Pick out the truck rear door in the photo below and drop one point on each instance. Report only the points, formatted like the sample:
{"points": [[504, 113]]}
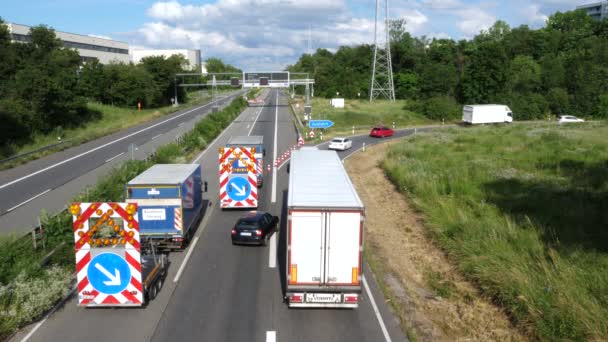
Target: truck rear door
{"points": [[159, 209], [343, 256], [307, 248]]}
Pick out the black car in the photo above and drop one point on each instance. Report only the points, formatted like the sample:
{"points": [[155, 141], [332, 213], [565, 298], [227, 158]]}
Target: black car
{"points": [[255, 227]]}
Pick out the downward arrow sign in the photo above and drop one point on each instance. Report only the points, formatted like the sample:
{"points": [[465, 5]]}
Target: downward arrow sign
{"points": [[240, 191], [114, 279]]}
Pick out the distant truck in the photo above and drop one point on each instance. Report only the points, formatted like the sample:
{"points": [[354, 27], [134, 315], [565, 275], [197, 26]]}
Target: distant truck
{"points": [[486, 114], [257, 142], [170, 202], [324, 232]]}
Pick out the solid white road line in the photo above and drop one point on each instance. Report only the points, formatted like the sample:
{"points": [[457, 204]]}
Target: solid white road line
{"points": [[183, 265], [272, 251], [37, 326], [102, 146], [254, 121], [271, 336], [116, 156], [29, 200], [156, 136], [387, 337], [274, 152]]}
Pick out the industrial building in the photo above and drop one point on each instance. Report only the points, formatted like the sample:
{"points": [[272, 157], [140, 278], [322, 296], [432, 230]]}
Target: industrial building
{"points": [[89, 48], [192, 56], [598, 10]]}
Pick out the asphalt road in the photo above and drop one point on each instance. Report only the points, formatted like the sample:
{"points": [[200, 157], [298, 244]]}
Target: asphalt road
{"points": [[50, 182], [225, 292]]}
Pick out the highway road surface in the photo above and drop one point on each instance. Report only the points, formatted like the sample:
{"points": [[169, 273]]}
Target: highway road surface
{"points": [[50, 182], [219, 292]]}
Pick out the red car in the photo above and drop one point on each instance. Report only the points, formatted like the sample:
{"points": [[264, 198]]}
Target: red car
{"points": [[381, 132]]}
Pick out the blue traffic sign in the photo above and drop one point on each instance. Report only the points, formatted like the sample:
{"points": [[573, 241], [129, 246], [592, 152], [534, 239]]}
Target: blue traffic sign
{"points": [[320, 123], [109, 273], [238, 188]]}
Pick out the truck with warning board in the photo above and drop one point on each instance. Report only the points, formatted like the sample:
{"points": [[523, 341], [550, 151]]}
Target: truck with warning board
{"points": [[324, 232], [238, 177], [114, 266], [170, 202], [253, 141]]}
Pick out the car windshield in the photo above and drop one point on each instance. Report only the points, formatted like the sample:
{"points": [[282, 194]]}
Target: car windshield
{"points": [[246, 224], [337, 140]]}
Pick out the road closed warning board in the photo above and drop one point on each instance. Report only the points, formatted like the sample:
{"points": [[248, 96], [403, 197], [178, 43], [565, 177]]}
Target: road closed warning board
{"points": [[238, 177], [108, 254]]}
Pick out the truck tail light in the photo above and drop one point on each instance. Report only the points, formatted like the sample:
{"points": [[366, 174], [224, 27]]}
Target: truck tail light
{"points": [[355, 275], [296, 298], [233, 232], [258, 232], [293, 274], [351, 298]]}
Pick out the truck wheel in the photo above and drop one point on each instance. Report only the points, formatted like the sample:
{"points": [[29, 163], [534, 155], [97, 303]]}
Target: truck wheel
{"points": [[153, 292], [159, 284]]}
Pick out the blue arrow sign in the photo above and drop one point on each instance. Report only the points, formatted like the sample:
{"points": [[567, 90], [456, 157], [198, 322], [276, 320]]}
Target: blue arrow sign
{"points": [[109, 273], [238, 188], [320, 123]]}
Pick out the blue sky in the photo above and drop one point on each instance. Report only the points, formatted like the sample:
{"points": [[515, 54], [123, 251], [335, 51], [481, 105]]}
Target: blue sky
{"points": [[269, 34]]}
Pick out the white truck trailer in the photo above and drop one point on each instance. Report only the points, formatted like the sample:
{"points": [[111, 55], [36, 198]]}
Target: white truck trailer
{"points": [[486, 114], [324, 232]]}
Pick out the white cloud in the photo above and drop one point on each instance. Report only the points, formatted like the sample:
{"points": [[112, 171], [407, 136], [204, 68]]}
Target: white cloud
{"points": [[414, 19], [473, 20], [441, 4], [531, 14]]}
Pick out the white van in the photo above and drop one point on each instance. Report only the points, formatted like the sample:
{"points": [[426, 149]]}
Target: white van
{"points": [[485, 114]]}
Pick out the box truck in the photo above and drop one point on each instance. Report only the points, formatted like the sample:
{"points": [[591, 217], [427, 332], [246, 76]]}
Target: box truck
{"points": [[169, 201], [324, 232], [486, 114]]}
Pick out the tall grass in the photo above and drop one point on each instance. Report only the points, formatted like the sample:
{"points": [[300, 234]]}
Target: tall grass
{"points": [[523, 212]]}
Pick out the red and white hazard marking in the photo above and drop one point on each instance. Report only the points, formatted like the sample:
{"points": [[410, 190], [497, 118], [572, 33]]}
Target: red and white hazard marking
{"points": [[177, 220], [87, 245], [244, 159]]}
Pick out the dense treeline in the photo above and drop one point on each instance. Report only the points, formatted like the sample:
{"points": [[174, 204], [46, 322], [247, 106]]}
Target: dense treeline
{"points": [[45, 87], [561, 68]]}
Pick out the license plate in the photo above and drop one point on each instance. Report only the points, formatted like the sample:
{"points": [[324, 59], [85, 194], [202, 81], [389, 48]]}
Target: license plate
{"points": [[245, 234], [322, 298]]}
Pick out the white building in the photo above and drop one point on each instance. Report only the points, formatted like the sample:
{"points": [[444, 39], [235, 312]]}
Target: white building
{"points": [[597, 11], [192, 56], [89, 48]]}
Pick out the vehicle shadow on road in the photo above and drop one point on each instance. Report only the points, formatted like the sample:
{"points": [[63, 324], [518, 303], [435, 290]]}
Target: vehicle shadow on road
{"points": [[282, 245]]}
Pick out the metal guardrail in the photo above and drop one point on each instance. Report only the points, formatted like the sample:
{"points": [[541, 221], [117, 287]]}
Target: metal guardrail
{"points": [[34, 151]]}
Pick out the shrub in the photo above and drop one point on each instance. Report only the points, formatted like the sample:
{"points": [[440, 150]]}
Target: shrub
{"points": [[441, 107]]}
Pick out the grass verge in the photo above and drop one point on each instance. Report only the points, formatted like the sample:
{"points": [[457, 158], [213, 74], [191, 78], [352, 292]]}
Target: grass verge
{"points": [[361, 114], [113, 119], [522, 211], [29, 287]]}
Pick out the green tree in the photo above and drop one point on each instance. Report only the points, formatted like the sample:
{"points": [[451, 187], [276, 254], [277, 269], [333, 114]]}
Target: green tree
{"points": [[524, 75], [559, 101], [485, 76], [163, 72]]}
